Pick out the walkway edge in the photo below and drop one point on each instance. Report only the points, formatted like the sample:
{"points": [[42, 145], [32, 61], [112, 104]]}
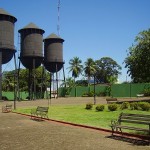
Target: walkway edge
{"points": [[91, 127]]}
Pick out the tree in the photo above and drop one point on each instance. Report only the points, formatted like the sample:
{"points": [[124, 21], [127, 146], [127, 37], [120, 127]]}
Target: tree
{"points": [[138, 60], [68, 85], [90, 68], [23, 79], [75, 67], [106, 70], [8, 80]]}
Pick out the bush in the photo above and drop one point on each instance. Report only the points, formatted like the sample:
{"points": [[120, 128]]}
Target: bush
{"points": [[101, 94], [145, 106], [91, 93], [89, 106], [85, 94], [146, 92], [124, 105], [134, 106], [112, 107], [100, 107]]}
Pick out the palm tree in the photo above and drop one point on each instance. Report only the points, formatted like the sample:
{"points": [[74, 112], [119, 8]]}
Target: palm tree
{"points": [[68, 83], [90, 68], [75, 67]]}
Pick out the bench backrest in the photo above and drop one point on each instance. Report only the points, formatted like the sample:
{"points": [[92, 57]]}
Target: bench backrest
{"points": [[42, 109], [8, 105], [134, 118], [111, 99]]}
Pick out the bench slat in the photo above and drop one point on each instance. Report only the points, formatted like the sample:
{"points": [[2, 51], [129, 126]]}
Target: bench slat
{"points": [[135, 121], [144, 118], [131, 119], [40, 112], [111, 100], [7, 108], [132, 128], [135, 115]]}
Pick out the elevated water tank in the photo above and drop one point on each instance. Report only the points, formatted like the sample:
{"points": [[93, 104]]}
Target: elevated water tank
{"points": [[53, 53], [7, 47], [31, 46]]}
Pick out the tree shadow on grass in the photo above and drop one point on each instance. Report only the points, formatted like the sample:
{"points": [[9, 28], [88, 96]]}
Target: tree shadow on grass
{"points": [[134, 141]]}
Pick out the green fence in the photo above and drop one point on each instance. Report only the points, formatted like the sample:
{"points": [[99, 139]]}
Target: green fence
{"points": [[128, 90], [115, 90], [10, 95], [22, 95], [80, 91]]}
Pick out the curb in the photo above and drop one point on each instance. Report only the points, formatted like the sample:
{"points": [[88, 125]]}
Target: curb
{"points": [[91, 127]]}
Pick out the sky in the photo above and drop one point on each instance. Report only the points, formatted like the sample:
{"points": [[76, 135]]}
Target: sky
{"points": [[90, 28]]}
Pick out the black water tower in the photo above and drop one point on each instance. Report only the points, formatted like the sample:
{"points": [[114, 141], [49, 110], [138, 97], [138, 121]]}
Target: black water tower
{"points": [[7, 48], [53, 57], [31, 46], [31, 53], [53, 53]]}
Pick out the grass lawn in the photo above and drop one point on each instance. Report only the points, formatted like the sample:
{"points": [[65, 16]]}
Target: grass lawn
{"points": [[78, 114]]}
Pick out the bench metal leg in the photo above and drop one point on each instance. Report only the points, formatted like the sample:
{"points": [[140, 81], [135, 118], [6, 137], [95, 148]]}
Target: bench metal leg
{"points": [[113, 128]]}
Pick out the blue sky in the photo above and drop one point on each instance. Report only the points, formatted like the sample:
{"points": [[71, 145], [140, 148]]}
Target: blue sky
{"points": [[90, 28]]}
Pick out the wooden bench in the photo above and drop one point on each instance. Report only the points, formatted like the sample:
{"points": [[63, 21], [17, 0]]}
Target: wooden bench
{"points": [[39, 112], [111, 100], [7, 108], [128, 121]]}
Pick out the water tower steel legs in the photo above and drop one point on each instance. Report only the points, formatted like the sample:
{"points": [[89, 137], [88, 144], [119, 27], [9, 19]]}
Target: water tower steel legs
{"points": [[30, 84], [0, 75], [18, 80], [15, 82], [34, 84], [57, 80], [50, 85], [64, 75]]}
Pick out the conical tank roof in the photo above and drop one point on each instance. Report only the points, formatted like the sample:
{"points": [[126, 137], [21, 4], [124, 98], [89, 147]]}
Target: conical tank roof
{"points": [[31, 26], [54, 36], [4, 12]]}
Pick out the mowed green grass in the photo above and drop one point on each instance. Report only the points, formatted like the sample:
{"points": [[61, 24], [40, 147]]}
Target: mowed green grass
{"points": [[79, 115]]}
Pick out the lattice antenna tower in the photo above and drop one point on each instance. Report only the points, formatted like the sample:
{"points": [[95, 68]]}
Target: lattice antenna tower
{"points": [[58, 19]]}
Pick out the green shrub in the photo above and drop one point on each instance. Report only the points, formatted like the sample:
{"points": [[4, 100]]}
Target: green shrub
{"points": [[91, 93], [124, 105], [85, 94], [146, 92], [89, 106], [112, 107], [134, 106], [100, 107], [145, 106], [101, 94]]}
